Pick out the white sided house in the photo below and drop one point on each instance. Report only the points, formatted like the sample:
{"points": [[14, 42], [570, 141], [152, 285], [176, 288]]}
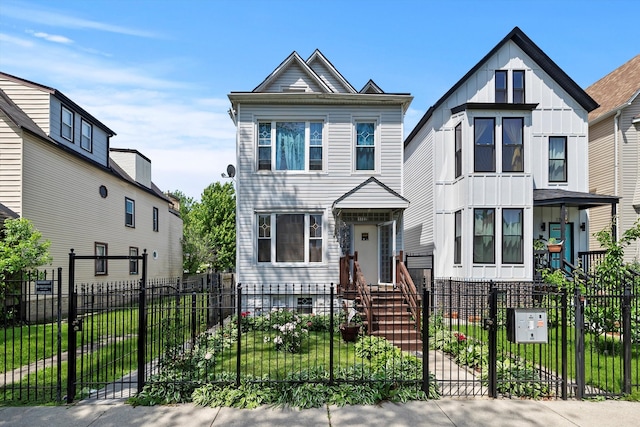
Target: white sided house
{"points": [[500, 161], [319, 178], [58, 171]]}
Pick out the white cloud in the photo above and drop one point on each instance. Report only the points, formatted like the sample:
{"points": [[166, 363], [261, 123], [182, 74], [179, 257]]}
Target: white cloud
{"points": [[17, 41], [44, 17], [52, 38]]}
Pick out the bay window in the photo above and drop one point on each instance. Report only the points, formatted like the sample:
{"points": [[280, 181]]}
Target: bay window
{"points": [[557, 159], [512, 237], [485, 149], [457, 246], [512, 145], [458, 148]]}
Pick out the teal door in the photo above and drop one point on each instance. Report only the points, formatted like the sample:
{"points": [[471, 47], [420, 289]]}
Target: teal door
{"points": [[554, 231]]}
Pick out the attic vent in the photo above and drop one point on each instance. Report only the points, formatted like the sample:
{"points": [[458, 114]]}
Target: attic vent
{"points": [[293, 89]]}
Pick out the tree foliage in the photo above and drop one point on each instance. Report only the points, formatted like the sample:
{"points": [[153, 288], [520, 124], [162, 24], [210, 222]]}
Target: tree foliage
{"points": [[21, 248], [209, 229]]}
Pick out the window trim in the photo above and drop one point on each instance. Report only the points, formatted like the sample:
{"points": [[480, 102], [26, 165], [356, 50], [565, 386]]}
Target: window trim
{"points": [[273, 236], [89, 126], [375, 146], [272, 141], [156, 219], [133, 212], [475, 144], [565, 159], [493, 241], [523, 89], [521, 210], [134, 262], [62, 123], [104, 261], [521, 144], [504, 91], [457, 131], [457, 237]]}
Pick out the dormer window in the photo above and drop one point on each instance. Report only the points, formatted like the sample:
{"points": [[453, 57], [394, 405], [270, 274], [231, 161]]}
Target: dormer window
{"points": [[501, 86], [66, 125], [86, 140]]}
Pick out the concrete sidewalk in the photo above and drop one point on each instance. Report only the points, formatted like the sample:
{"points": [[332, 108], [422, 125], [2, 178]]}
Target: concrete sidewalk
{"points": [[444, 412]]}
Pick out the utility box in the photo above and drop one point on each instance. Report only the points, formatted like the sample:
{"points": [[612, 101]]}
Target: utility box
{"points": [[527, 325]]}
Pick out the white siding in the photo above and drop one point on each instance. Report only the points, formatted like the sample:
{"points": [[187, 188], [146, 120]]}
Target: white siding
{"points": [[294, 77]]}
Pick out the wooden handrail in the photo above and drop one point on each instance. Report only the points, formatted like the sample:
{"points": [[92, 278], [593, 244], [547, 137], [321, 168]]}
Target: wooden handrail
{"points": [[404, 282], [364, 294]]}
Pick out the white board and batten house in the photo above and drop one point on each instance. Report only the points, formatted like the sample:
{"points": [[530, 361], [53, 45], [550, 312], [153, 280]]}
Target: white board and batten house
{"points": [[59, 171], [498, 161], [319, 176]]}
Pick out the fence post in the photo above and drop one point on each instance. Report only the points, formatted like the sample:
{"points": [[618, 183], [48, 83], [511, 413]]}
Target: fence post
{"points": [[239, 326], [71, 333], [193, 319], [492, 325], [331, 335], [626, 338], [579, 345], [142, 323], [425, 340], [563, 327], [59, 349]]}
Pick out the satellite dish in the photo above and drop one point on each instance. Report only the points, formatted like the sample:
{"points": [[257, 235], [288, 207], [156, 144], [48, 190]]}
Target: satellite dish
{"points": [[231, 171]]}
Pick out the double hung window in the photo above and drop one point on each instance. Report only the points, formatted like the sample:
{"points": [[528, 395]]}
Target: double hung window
{"points": [[66, 125], [457, 247], [133, 262], [365, 146], [512, 144], [501, 85], [484, 236], [485, 148], [129, 212], [101, 263], [458, 148], [290, 238], [290, 146], [512, 237], [518, 86], [557, 159], [86, 140], [156, 219]]}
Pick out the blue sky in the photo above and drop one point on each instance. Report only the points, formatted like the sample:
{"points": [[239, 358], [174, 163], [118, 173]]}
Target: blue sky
{"points": [[158, 72]]}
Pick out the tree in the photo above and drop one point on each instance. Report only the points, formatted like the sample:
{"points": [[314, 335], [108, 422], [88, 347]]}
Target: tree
{"points": [[215, 216], [21, 249], [209, 238]]}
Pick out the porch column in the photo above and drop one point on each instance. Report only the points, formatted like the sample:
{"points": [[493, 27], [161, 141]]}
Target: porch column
{"points": [[563, 237]]}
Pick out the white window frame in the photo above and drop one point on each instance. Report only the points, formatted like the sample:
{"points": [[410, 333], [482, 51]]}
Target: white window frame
{"points": [[134, 263], [307, 238], [376, 145], [133, 212], [64, 125], [307, 144], [86, 126], [102, 262]]}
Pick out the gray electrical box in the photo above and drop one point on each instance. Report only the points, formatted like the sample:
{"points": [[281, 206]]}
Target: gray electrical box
{"points": [[527, 325]]}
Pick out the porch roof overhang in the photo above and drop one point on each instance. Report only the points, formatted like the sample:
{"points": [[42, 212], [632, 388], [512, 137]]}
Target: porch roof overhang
{"points": [[557, 197], [371, 194]]}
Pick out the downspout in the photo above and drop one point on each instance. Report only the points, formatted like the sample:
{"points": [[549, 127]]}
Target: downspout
{"points": [[616, 167]]}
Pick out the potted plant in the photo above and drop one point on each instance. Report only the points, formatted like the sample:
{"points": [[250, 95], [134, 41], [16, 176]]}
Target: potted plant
{"points": [[554, 245], [351, 323]]}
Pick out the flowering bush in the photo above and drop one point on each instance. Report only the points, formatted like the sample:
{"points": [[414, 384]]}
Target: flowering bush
{"points": [[291, 331]]}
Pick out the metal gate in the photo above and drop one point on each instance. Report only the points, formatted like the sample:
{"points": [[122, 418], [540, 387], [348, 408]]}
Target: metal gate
{"points": [[107, 327], [471, 353]]}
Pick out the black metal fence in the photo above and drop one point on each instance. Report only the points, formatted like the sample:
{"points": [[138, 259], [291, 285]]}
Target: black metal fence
{"points": [[186, 333]]}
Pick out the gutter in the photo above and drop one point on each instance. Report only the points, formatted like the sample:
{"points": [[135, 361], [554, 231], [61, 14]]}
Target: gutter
{"points": [[616, 166]]}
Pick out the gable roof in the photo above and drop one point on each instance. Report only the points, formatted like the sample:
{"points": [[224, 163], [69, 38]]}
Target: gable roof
{"points": [[534, 52], [371, 194], [292, 60], [63, 98], [318, 57], [371, 87], [617, 89]]}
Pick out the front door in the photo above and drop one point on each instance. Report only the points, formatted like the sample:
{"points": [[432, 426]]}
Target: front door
{"points": [[365, 238], [554, 231]]}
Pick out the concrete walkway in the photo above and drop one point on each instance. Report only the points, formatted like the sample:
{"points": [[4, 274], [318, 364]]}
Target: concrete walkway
{"points": [[445, 412]]}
